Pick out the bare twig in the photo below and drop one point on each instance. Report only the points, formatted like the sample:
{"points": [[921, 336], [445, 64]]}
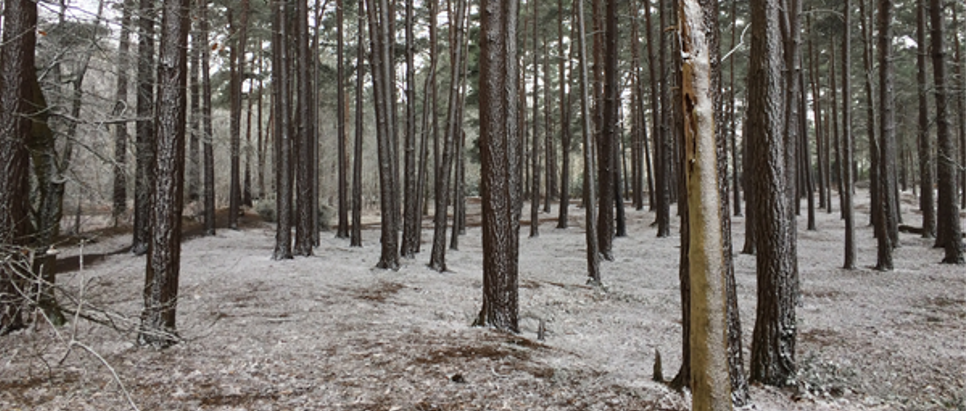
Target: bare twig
{"points": [[741, 42], [90, 350]]}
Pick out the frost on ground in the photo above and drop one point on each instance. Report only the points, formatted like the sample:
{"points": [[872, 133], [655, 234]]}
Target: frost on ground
{"points": [[330, 332]]}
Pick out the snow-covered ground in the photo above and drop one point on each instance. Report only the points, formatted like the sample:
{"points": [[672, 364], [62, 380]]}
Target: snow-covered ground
{"points": [[330, 332]]}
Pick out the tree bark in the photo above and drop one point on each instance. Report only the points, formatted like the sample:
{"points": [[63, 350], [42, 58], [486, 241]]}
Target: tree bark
{"points": [[356, 235], [535, 137], [606, 144], [836, 146], [637, 112], [500, 162], [960, 71], [438, 257], [562, 216], [16, 64], [237, 57], [120, 106], [662, 147], [381, 64], [144, 174], [428, 121], [885, 203], [847, 177], [709, 346], [807, 180], [304, 142], [950, 231], [550, 168], [411, 214], [247, 179], [313, 80], [732, 116], [342, 230], [593, 253], [773, 341], [815, 82], [193, 167], [164, 252], [283, 138], [208, 153], [793, 89], [865, 23], [262, 138]]}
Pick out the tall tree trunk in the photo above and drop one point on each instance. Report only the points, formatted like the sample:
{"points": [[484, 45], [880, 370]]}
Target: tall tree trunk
{"points": [[50, 169], [950, 231], [459, 199], [593, 254], [662, 147], [535, 137], [836, 171], [805, 153], [709, 375], [356, 236], [120, 107], [887, 141], [773, 341], [438, 257], [500, 182], [562, 216], [738, 378], [237, 63], [793, 89], [606, 143], [655, 172], [747, 165], [379, 21], [637, 117], [676, 116], [646, 149], [144, 174], [261, 139], [247, 180], [313, 125], [16, 66], [732, 116], [961, 105], [847, 156], [550, 168], [207, 138], [459, 167], [865, 23], [164, 252], [342, 230], [193, 165], [815, 82], [428, 121], [959, 70], [411, 215], [304, 142], [459, 189], [283, 137]]}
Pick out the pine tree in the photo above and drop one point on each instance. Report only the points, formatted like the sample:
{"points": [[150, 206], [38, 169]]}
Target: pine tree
{"points": [[773, 341], [164, 251], [500, 182]]}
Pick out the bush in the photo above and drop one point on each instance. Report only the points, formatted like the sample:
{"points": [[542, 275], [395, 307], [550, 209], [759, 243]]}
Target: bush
{"points": [[266, 209], [325, 216]]}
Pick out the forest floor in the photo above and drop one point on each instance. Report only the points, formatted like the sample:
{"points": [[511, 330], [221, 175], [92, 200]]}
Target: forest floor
{"points": [[330, 332]]}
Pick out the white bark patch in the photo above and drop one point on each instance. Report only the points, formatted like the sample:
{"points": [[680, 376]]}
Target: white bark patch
{"points": [[710, 381]]}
